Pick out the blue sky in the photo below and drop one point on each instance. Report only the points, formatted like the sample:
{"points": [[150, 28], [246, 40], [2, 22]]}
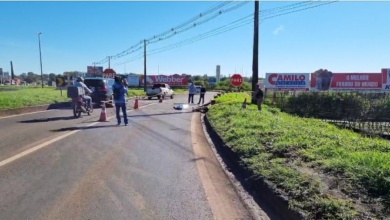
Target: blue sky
{"points": [[342, 37]]}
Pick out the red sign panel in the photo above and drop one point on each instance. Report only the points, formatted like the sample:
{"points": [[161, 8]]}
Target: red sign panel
{"points": [[236, 80], [109, 73], [173, 80], [347, 81]]}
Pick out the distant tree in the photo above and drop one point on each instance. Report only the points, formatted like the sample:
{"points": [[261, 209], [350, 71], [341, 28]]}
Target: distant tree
{"points": [[23, 76], [52, 77], [31, 77]]}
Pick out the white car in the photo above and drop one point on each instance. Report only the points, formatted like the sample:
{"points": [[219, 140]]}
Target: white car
{"points": [[159, 90]]}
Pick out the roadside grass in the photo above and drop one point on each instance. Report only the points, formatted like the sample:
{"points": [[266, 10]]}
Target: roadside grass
{"points": [[326, 172], [24, 96], [30, 96]]}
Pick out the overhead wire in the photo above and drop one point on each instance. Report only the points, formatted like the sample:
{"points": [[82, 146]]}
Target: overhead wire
{"points": [[177, 30], [222, 29], [196, 24]]}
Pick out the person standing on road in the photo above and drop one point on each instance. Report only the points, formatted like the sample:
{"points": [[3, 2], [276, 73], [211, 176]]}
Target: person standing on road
{"points": [[119, 90], [191, 93], [80, 83], [259, 96], [202, 93]]}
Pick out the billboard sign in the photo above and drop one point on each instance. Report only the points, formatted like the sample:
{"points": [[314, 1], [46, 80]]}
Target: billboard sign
{"points": [[95, 70], [172, 80], [287, 81], [347, 81], [386, 79], [133, 80]]}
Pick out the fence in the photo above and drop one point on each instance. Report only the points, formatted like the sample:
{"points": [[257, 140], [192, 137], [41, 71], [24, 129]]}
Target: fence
{"points": [[363, 111]]}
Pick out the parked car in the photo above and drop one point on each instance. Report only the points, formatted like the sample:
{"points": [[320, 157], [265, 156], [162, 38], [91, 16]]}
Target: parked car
{"points": [[101, 89], [159, 90]]}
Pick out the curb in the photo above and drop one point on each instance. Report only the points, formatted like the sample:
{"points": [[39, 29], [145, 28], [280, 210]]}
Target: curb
{"points": [[258, 188], [22, 110]]}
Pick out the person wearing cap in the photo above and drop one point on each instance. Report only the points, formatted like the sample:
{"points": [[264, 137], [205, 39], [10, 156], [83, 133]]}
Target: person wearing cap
{"points": [[80, 83], [259, 96], [120, 89]]}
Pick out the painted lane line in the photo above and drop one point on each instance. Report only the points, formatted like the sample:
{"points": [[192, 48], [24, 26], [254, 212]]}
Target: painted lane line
{"points": [[42, 145], [33, 149]]}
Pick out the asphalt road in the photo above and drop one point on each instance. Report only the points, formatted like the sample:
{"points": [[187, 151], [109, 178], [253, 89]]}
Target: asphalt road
{"points": [[53, 166]]}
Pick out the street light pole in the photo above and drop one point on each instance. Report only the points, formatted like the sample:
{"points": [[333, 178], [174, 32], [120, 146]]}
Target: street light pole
{"points": [[40, 56]]}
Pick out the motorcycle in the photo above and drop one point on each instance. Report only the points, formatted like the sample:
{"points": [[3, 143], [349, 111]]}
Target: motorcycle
{"points": [[79, 105]]}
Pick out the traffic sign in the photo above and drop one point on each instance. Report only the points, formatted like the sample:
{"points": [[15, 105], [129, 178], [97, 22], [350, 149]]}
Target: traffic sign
{"points": [[109, 73], [60, 81], [236, 80]]}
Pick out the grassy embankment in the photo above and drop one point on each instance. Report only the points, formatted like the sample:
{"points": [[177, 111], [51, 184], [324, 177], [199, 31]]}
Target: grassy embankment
{"points": [[326, 172]]}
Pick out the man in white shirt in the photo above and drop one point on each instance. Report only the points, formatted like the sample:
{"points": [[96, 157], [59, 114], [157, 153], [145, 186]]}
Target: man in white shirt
{"points": [[80, 83]]}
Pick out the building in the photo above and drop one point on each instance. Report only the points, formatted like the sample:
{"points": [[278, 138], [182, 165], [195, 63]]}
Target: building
{"points": [[218, 73]]}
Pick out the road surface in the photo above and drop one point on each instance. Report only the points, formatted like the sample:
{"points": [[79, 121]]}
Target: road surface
{"points": [[53, 166]]}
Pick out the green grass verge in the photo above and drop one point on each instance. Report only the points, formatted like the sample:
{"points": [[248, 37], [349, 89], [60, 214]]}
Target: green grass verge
{"points": [[326, 172], [24, 96]]}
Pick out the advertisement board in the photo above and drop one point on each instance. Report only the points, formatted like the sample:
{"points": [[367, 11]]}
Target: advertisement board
{"points": [[386, 79], [287, 81], [95, 70], [133, 80], [172, 80], [346, 81]]}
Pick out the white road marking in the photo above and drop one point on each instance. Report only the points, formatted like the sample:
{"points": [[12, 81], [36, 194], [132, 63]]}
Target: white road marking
{"points": [[29, 113], [42, 145]]}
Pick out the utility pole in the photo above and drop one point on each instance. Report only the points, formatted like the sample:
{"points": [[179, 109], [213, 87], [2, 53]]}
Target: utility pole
{"points": [[94, 69], [144, 65], [40, 56], [109, 62], [255, 63]]}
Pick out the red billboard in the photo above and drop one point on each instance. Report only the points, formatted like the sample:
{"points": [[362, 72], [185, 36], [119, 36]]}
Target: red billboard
{"points": [[95, 70], [346, 81], [172, 80]]}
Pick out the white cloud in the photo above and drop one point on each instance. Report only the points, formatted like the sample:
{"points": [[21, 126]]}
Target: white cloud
{"points": [[278, 30]]}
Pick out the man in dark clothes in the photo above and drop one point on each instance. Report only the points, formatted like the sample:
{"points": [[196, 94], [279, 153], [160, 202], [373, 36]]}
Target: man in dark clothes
{"points": [[259, 95], [202, 93]]}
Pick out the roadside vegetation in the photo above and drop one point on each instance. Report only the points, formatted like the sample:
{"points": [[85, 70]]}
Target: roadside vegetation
{"points": [[324, 171], [21, 96], [24, 96]]}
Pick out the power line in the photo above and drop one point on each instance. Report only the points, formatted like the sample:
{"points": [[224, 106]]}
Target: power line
{"points": [[177, 30], [138, 46], [233, 25], [315, 6], [196, 24], [214, 8]]}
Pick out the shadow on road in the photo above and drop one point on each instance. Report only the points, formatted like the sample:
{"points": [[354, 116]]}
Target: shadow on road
{"points": [[48, 119], [148, 115], [83, 128], [198, 158]]}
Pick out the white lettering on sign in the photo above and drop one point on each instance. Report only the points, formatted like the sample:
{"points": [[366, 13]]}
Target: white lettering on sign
{"points": [[291, 78], [344, 84], [369, 84], [358, 77], [166, 79]]}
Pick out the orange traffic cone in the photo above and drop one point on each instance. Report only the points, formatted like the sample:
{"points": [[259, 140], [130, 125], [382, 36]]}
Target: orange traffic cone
{"points": [[136, 103], [244, 104], [103, 114], [160, 99]]}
